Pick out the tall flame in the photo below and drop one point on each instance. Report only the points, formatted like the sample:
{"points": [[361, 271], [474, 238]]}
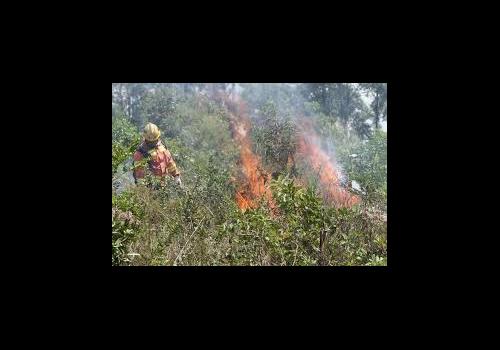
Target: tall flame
{"points": [[310, 149], [253, 178]]}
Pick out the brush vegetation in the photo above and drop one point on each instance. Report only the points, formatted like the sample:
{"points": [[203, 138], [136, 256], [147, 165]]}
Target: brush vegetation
{"points": [[201, 224]]}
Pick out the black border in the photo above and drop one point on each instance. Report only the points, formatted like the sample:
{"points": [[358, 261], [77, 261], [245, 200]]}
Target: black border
{"points": [[400, 258]]}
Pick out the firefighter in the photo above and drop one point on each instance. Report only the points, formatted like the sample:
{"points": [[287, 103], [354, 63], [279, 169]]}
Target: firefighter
{"points": [[159, 160]]}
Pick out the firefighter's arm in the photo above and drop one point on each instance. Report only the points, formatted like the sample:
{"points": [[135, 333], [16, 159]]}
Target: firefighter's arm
{"points": [[173, 171], [138, 168], [172, 168]]}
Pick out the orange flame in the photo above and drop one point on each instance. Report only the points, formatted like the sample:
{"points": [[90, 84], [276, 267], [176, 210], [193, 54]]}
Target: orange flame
{"points": [[253, 179], [321, 162]]}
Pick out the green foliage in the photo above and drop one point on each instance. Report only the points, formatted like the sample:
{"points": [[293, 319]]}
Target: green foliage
{"points": [[125, 139], [369, 165], [340, 101], [123, 131], [293, 237], [119, 155], [274, 138], [126, 222]]}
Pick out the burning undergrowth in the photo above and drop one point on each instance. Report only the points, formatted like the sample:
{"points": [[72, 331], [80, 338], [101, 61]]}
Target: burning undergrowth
{"points": [[324, 166], [253, 180]]}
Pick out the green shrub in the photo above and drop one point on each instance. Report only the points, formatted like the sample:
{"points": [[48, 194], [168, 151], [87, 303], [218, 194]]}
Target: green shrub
{"points": [[366, 163], [274, 138], [126, 220], [125, 140]]}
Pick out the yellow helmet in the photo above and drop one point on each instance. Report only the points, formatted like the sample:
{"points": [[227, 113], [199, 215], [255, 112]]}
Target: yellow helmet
{"points": [[151, 132]]}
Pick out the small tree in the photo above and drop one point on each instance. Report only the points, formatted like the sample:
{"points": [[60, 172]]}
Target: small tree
{"points": [[275, 138]]}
